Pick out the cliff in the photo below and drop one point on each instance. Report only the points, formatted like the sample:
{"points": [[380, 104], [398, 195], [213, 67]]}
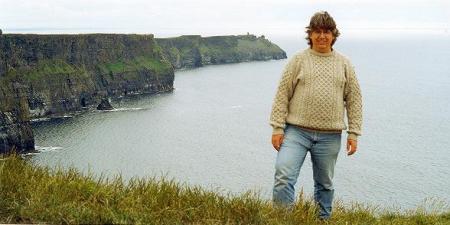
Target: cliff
{"points": [[191, 51], [58, 74], [52, 75], [15, 129], [65, 73]]}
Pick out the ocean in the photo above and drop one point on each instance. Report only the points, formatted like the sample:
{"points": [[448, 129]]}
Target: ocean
{"points": [[213, 129]]}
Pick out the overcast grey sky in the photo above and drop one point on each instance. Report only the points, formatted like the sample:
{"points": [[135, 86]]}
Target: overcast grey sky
{"points": [[174, 17]]}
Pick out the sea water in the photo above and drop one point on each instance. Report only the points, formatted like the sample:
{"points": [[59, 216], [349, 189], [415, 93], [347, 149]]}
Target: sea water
{"points": [[213, 129]]}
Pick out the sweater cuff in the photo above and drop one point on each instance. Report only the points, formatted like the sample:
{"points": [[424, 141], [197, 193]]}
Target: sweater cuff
{"points": [[278, 130], [352, 136]]}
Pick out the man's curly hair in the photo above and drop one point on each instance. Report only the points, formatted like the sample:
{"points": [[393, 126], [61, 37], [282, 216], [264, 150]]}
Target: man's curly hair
{"points": [[321, 20]]}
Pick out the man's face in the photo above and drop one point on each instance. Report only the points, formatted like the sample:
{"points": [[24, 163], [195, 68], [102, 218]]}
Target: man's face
{"points": [[321, 40]]}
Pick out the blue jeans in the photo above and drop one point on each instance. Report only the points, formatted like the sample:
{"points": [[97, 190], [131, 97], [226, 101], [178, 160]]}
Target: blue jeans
{"points": [[324, 149]]}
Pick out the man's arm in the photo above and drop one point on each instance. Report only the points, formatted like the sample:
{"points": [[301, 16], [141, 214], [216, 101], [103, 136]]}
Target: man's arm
{"points": [[283, 95], [353, 100], [281, 102]]}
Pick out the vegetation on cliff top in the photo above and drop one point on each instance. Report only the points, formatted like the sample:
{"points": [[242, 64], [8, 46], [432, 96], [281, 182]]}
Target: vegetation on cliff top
{"points": [[47, 70], [239, 48], [194, 50], [38, 58], [141, 62], [35, 194], [33, 57]]}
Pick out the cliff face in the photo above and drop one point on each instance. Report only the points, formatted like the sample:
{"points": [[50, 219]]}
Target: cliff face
{"points": [[15, 129], [58, 74], [195, 51], [65, 73], [51, 75]]}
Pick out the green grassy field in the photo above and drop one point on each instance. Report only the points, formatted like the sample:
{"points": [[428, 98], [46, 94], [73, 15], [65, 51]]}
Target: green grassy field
{"points": [[35, 194]]}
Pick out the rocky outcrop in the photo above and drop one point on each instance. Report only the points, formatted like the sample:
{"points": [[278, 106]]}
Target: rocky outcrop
{"points": [[15, 129], [191, 51], [15, 135], [105, 105]]}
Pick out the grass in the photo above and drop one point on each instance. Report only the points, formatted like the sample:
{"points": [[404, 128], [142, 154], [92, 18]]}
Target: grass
{"points": [[257, 45], [46, 69], [238, 49], [36, 194], [150, 63]]}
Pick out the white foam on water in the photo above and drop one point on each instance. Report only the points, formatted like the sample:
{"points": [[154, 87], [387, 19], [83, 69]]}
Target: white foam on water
{"points": [[122, 109], [40, 119], [43, 149]]}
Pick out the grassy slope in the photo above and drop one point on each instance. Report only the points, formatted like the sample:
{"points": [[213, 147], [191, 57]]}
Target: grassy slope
{"points": [[140, 62], [33, 194], [44, 57], [237, 46], [49, 68]]}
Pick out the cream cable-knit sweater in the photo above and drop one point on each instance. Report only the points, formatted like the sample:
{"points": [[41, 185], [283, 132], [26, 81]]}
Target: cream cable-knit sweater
{"points": [[313, 92]]}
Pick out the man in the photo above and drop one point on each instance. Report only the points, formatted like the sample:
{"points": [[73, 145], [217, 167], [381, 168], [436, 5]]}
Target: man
{"points": [[317, 86]]}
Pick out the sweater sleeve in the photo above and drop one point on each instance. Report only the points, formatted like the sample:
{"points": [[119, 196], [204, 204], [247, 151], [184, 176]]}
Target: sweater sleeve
{"points": [[353, 103], [283, 95]]}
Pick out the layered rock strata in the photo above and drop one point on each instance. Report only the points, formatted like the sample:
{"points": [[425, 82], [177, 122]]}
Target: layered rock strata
{"points": [[52, 75]]}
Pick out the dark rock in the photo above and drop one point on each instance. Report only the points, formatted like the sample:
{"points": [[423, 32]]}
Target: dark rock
{"points": [[15, 135], [15, 129], [104, 105]]}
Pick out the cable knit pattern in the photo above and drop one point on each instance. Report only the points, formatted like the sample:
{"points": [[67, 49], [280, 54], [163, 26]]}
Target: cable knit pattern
{"points": [[315, 91]]}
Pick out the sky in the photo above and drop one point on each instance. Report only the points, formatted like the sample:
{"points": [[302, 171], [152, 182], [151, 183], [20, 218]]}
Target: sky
{"points": [[224, 17]]}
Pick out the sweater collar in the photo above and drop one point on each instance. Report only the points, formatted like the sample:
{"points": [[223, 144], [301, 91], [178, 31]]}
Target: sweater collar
{"points": [[321, 54]]}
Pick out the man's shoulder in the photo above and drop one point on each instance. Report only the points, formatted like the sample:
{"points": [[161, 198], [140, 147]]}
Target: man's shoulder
{"points": [[345, 59], [299, 55], [340, 55]]}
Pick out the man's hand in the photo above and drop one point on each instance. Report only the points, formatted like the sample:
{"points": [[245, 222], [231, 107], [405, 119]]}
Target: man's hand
{"points": [[352, 145], [277, 139]]}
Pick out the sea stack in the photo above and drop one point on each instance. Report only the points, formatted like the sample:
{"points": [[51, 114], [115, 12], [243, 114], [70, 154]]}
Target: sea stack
{"points": [[104, 105]]}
